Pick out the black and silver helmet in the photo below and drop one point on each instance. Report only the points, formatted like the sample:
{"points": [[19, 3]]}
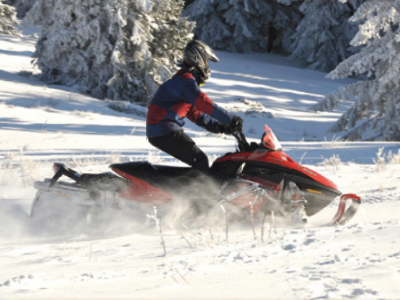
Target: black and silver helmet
{"points": [[197, 54]]}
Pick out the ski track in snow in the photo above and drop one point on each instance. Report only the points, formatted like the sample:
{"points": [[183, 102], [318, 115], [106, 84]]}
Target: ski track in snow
{"points": [[316, 262], [117, 254]]}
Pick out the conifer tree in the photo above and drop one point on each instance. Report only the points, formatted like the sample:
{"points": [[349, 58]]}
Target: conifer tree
{"points": [[117, 49], [8, 19], [244, 26], [22, 6], [375, 114], [322, 39]]}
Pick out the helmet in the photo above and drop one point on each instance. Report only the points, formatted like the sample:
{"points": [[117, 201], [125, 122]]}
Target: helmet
{"points": [[197, 54]]}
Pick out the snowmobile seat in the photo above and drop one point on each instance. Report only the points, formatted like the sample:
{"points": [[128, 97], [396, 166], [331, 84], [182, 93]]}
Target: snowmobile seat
{"points": [[155, 175]]}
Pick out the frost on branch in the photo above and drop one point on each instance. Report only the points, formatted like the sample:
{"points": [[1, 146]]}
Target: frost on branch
{"points": [[111, 49], [8, 19], [22, 6], [375, 114], [245, 26], [322, 39]]}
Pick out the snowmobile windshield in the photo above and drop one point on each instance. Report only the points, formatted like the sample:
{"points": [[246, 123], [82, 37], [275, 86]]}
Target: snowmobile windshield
{"points": [[269, 140]]}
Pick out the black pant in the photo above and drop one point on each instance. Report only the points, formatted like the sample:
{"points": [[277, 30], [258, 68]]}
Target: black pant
{"points": [[179, 145]]}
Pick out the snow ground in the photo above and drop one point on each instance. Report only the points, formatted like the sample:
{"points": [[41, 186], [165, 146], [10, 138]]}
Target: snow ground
{"points": [[118, 255]]}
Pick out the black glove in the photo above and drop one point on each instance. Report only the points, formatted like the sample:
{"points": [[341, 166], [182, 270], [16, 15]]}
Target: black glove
{"points": [[222, 128], [236, 124]]}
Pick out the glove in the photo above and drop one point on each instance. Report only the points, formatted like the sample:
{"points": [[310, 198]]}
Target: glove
{"points": [[236, 124], [222, 128]]}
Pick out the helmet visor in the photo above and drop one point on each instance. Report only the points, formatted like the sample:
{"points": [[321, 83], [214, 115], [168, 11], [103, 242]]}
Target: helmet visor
{"points": [[211, 55]]}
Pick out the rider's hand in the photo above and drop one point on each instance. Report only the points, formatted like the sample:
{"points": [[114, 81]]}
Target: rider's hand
{"points": [[222, 128], [236, 124]]}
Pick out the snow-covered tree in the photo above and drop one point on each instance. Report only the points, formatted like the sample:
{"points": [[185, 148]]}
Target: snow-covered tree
{"points": [[76, 42], [8, 19], [151, 43], [117, 49], [243, 25], [188, 2], [375, 114], [322, 39], [22, 6]]}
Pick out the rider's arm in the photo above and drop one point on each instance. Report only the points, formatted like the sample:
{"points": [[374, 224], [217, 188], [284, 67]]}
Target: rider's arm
{"points": [[203, 120], [192, 94]]}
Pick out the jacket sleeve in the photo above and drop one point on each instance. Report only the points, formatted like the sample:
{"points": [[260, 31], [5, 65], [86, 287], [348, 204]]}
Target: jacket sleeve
{"points": [[192, 94], [203, 120]]}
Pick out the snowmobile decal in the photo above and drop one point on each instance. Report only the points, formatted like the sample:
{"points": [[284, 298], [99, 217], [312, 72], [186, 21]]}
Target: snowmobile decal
{"points": [[277, 188], [142, 191]]}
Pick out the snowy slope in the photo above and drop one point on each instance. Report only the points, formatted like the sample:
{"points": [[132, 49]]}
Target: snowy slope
{"points": [[118, 255]]}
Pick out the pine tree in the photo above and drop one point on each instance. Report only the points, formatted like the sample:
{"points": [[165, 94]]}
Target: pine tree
{"points": [[188, 2], [375, 114], [322, 39], [76, 42], [117, 49], [243, 26], [22, 6], [8, 20], [154, 34]]}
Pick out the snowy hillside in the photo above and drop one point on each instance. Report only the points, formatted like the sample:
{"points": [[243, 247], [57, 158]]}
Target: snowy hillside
{"points": [[118, 256]]}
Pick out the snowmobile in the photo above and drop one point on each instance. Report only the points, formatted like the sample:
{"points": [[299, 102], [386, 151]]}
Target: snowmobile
{"points": [[259, 177]]}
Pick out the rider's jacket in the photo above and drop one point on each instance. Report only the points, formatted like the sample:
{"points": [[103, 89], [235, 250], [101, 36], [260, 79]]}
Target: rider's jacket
{"points": [[181, 97]]}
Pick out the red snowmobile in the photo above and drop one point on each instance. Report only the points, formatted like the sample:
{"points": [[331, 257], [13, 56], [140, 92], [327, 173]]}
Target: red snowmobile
{"points": [[259, 177]]}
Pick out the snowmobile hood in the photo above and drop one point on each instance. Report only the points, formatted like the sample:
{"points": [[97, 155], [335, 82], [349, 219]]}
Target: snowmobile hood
{"points": [[278, 160]]}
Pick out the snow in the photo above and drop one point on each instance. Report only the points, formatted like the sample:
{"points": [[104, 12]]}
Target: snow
{"points": [[118, 255]]}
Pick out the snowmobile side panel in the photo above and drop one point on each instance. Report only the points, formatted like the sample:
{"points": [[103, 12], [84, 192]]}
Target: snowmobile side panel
{"points": [[141, 170], [271, 176], [254, 195], [277, 160], [140, 190], [318, 196]]}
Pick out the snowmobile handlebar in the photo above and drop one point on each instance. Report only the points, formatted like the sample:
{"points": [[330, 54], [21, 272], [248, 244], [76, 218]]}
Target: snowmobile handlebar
{"points": [[242, 141]]}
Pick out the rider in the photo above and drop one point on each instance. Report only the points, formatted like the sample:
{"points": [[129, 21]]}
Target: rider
{"points": [[181, 97]]}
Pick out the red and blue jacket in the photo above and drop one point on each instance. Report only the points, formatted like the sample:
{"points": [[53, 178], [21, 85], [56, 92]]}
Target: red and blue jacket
{"points": [[178, 98]]}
